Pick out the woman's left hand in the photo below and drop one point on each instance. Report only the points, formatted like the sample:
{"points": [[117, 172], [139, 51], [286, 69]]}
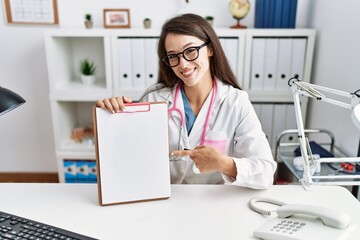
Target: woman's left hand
{"points": [[209, 159]]}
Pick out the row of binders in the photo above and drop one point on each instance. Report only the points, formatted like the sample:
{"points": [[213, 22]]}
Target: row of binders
{"points": [[80, 171], [275, 118], [275, 13], [138, 60], [275, 61]]}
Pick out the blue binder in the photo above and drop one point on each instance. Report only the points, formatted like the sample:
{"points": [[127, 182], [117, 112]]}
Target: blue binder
{"points": [[92, 177], [69, 171], [266, 14], [259, 13], [278, 11], [285, 14], [292, 14], [271, 13], [82, 171]]}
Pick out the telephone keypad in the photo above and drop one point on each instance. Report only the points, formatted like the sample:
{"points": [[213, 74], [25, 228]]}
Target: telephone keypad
{"points": [[287, 226], [300, 228]]}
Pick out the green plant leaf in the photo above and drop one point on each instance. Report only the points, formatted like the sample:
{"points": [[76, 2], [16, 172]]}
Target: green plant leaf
{"points": [[88, 17], [87, 67]]}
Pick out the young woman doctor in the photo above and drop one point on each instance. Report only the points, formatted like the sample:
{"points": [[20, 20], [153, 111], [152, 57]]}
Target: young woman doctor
{"points": [[215, 136]]}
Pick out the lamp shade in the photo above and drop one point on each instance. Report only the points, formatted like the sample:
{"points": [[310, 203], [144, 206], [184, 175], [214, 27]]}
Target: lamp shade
{"points": [[9, 100]]}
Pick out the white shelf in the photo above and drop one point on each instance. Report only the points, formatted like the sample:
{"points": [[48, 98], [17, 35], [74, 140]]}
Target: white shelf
{"points": [[72, 101], [264, 96], [64, 53], [72, 146], [296, 32]]}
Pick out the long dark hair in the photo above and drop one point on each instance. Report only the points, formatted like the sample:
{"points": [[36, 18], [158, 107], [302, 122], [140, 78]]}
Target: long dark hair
{"points": [[192, 25], [197, 26]]}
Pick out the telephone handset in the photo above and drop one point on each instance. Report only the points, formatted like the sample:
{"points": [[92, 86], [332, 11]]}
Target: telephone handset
{"points": [[302, 222], [329, 217]]}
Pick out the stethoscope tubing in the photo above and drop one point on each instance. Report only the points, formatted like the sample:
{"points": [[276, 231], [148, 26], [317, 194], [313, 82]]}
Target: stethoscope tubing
{"points": [[182, 117]]}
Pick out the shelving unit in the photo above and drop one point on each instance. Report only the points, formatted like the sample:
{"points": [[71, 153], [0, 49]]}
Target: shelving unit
{"points": [[127, 63]]}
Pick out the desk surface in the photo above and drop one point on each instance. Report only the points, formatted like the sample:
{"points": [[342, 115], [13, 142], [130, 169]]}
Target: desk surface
{"points": [[192, 212]]}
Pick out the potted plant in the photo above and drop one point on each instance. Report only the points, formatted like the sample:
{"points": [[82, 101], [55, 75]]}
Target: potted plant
{"points": [[87, 69], [210, 19], [147, 23], [88, 20]]}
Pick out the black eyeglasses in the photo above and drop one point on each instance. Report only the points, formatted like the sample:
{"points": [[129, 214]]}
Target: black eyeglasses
{"points": [[189, 54]]}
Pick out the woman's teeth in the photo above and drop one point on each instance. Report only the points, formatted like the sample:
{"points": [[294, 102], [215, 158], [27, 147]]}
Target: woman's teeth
{"points": [[188, 72]]}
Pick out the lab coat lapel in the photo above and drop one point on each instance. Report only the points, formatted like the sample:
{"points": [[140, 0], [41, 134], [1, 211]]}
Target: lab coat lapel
{"points": [[180, 105], [197, 130], [221, 94]]}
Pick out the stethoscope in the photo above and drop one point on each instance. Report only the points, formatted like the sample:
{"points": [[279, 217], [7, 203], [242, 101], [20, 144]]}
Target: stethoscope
{"points": [[182, 117]]}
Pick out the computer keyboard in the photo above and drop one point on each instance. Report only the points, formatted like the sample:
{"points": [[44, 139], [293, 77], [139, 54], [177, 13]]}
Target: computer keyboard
{"points": [[18, 228]]}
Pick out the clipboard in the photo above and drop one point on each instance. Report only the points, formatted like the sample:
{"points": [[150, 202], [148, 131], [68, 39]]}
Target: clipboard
{"points": [[132, 153]]}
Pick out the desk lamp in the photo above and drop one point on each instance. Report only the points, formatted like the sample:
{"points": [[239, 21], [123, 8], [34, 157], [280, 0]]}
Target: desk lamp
{"points": [[317, 92], [9, 100]]}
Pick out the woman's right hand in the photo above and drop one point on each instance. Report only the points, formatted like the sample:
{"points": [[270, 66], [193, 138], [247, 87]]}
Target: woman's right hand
{"points": [[114, 104]]}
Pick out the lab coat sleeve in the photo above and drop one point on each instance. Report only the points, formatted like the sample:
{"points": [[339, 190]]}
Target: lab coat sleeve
{"points": [[252, 154]]}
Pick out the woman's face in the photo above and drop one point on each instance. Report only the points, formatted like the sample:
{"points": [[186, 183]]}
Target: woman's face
{"points": [[190, 72]]}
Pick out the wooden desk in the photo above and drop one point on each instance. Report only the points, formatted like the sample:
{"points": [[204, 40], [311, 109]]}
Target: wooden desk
{"points": [[192, 212]]}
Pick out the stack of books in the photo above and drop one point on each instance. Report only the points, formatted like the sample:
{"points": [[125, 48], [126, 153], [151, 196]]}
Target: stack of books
{"points": [[275, 13]]}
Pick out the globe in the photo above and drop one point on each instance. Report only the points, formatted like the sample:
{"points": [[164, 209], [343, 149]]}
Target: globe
{"points": [[239, 9]]}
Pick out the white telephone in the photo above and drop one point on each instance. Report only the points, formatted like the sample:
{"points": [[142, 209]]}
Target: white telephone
{"points": [[302, 222]]}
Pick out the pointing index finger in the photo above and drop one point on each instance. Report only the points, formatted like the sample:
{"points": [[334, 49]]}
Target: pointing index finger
{"points": [[181, 153]]}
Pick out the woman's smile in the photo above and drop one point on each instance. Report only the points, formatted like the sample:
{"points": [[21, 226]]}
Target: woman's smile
{"points": [[187, 72]]}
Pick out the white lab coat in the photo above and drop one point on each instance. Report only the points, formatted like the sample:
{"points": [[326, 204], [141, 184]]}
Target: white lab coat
{"points": [[246, 142]]}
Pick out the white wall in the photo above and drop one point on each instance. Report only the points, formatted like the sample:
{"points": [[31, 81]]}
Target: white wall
{"points": [[26, 139], [336, 65]]}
